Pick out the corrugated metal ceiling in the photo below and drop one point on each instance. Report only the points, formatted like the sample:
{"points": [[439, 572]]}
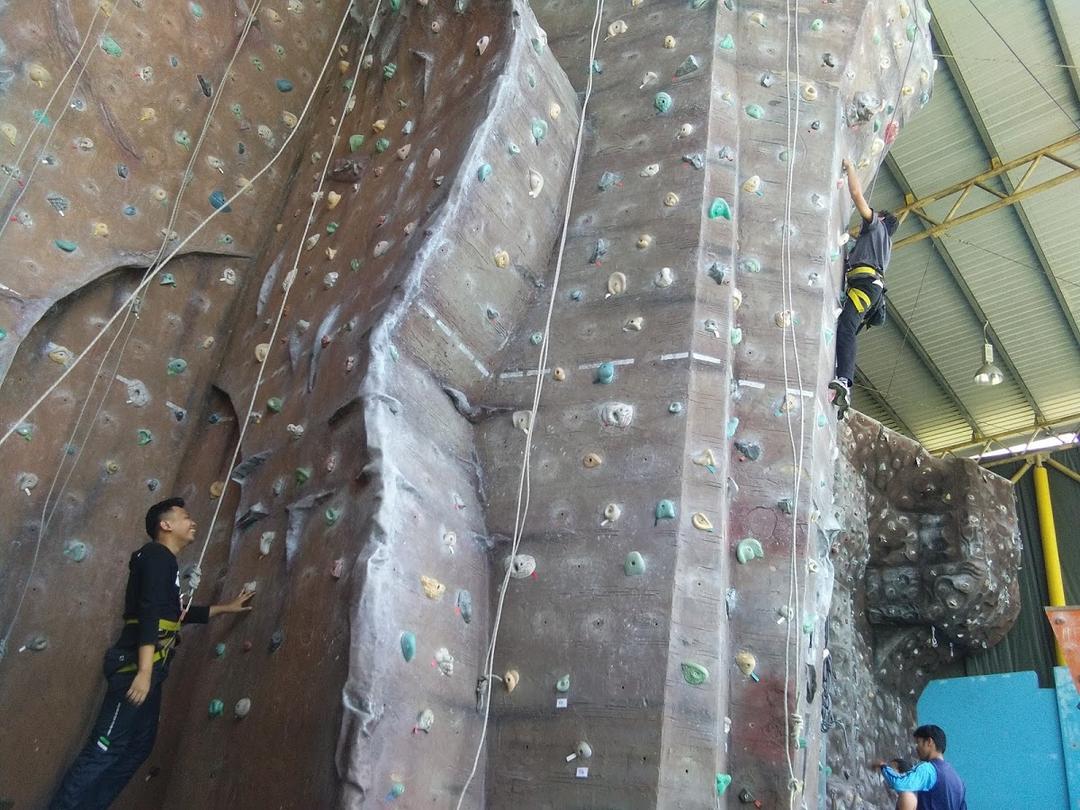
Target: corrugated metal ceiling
{"points": [[1018, 268]]}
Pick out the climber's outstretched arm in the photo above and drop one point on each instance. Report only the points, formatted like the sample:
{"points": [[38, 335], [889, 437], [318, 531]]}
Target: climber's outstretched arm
{"points": [[855, 188]]}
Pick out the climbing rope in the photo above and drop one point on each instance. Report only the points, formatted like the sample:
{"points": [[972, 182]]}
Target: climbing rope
{"points": [[797, 448], [287, 285], [47, 514], [175, 251], [40, 119], [524, 481]]}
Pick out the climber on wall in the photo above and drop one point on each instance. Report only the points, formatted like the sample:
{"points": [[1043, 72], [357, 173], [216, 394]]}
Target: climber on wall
{"points": [[137, 664], [864, 303], [934, 781]]}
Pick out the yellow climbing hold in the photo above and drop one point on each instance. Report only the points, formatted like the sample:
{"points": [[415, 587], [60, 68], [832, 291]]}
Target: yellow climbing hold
{"points": [[592, 461], [554, 111], [511, 679], [702, 522], [100, 229], [746, 662], [38, 74], [671, 199], [9, 132], [261, 351], [433, 589], [216, 489], [706, 459], [343, 66], [288, 119], [379, 125], [502, 259], [669, 42], [332, 199], [147, 114]]}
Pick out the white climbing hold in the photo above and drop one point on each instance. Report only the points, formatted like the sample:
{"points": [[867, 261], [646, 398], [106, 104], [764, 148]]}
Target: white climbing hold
{"points": [[522, 420], [651, 170], [445, 661], [616, 28], [536, 183], [522, 566], [664, 278], [482, 44]]}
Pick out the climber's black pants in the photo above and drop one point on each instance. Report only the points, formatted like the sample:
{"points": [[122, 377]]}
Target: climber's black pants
{"points": [[120, 741], [862, 296]]}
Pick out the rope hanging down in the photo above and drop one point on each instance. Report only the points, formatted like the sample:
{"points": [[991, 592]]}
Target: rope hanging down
{"points": [[524, 482]]}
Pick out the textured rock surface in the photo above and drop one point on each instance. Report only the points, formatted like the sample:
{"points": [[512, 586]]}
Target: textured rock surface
{"points": [[679, 433], [925, 552]]}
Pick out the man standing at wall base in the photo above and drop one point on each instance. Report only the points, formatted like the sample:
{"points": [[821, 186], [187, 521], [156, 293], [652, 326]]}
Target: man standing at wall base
{"points": [[935, 783]]}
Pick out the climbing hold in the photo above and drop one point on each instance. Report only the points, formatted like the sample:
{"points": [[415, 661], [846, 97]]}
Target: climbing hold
{"points": [[563, 684], [665, 510], [61, 355], [558, 374], [817, 24], [445, 661], [331, 515], [216, 489], [109, 45], [219, 649], [38, 74], [749, 548], [66, 245], [662, 102], [217, 200], [302, 475], [176, 365], [728, 42], [536, 338], [554, 111], [425, 720], [408, 645], [616, 28], [723, 782], [644, 241], [759, 18], [747, 663], [732, 426], [382, 144], [388, 71], [694, 674], [521, 566], [608, 180], [634, 565], [511, 678], [182, 138], [536, 183], [701, 522], [355, 142], [651, 170], [616, 414], [706, 459], [664, 277], [464, 604], [605, 373], [482, 44], [513, 148], [688, 66], [274, 404], [669, 42], [539, 129], [809, 92], [284, 85], [332, 199], [755, 110], [99, 229], [484, 172], [143, 437], [522, 420], [242, 708], [671, 199], [216, 708], [675, 408], [76, 550], [719, 208], [616, 284], [750, 450], [261, 351], [752, 185], [592, 461], [433, 589]]}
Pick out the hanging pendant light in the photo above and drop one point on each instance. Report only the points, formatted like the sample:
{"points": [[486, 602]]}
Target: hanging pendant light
{"points": [[988, 373]]}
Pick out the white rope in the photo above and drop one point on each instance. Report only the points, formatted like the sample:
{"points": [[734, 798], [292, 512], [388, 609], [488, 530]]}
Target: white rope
{"points": [[289, 280], [47, 514], [524, 481], [175, 251], [797, 449], [44, 113]]}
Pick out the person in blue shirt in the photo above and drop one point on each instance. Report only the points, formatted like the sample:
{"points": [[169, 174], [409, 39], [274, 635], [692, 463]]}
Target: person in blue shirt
{"points": [[935, 783], [864, 302], [905, 799]]}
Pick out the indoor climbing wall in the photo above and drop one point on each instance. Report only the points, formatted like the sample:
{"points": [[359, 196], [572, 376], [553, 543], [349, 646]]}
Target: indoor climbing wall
{"points": [[371, 242], [925, 552]]}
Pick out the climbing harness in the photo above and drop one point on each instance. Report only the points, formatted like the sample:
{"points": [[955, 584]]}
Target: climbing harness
{"points": [[168, 639]]}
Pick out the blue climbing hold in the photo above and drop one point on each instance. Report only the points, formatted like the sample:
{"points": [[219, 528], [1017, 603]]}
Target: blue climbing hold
{"points": [[665, 510], [605, 373], [66, 245], [408, 645], [284, 85], [217, 199]]}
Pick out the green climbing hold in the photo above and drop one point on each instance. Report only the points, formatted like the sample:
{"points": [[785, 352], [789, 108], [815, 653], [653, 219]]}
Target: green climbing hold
{"points": [[736, 335], [634, 565], [688, 66], [912, 31], [331, 515], [75, 550], [514, 149], [408, 645], [274, 404], [755, 110], [26, 431], [109, 45], [382, 145], [732, 426], [539, 130], [303, 475], [719, 208], [388, 71], [536, 338], [216, 708], [331, 227], [219, 649], [42, 118], [817, 24], [697, 5], [662, 102], [3, 334], [143, 437], [196, 10], [355, 142], [665, 510], [609, 180], [176, 365], [749, 548], [723, 782], [167, 280], [694, 674], [395, 5], [484, 172], [354, 264], [728, 43], [396, 790], [563, 684], [66, 245], [605, 373], [675, 408]]}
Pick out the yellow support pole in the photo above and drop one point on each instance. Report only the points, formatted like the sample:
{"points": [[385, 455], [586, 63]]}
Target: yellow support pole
{"points": [[1055, 586]]}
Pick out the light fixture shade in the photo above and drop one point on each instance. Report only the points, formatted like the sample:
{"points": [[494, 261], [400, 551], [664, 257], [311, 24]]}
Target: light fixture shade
{"points": [[988, 373]]}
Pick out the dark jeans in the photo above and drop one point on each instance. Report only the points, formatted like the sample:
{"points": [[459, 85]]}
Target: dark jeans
{"points": [[121, 740], [848, 324]]}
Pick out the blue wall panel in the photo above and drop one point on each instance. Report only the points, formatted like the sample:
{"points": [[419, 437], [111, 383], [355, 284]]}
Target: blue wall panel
{"points": [[1069, 717]]}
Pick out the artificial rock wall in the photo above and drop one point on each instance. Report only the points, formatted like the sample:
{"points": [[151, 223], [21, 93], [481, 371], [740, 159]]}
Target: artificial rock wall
{"points": [[672, 628]]}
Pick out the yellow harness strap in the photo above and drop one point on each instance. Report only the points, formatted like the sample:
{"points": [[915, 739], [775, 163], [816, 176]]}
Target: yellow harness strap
{"points": [[860, 299], [862, 270], [167, 630]]}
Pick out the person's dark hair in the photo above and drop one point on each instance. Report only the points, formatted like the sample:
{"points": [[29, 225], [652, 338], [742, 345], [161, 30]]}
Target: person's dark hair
{"points": [[157, 511], [890, 220], [901, 765], [934, 733]]}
